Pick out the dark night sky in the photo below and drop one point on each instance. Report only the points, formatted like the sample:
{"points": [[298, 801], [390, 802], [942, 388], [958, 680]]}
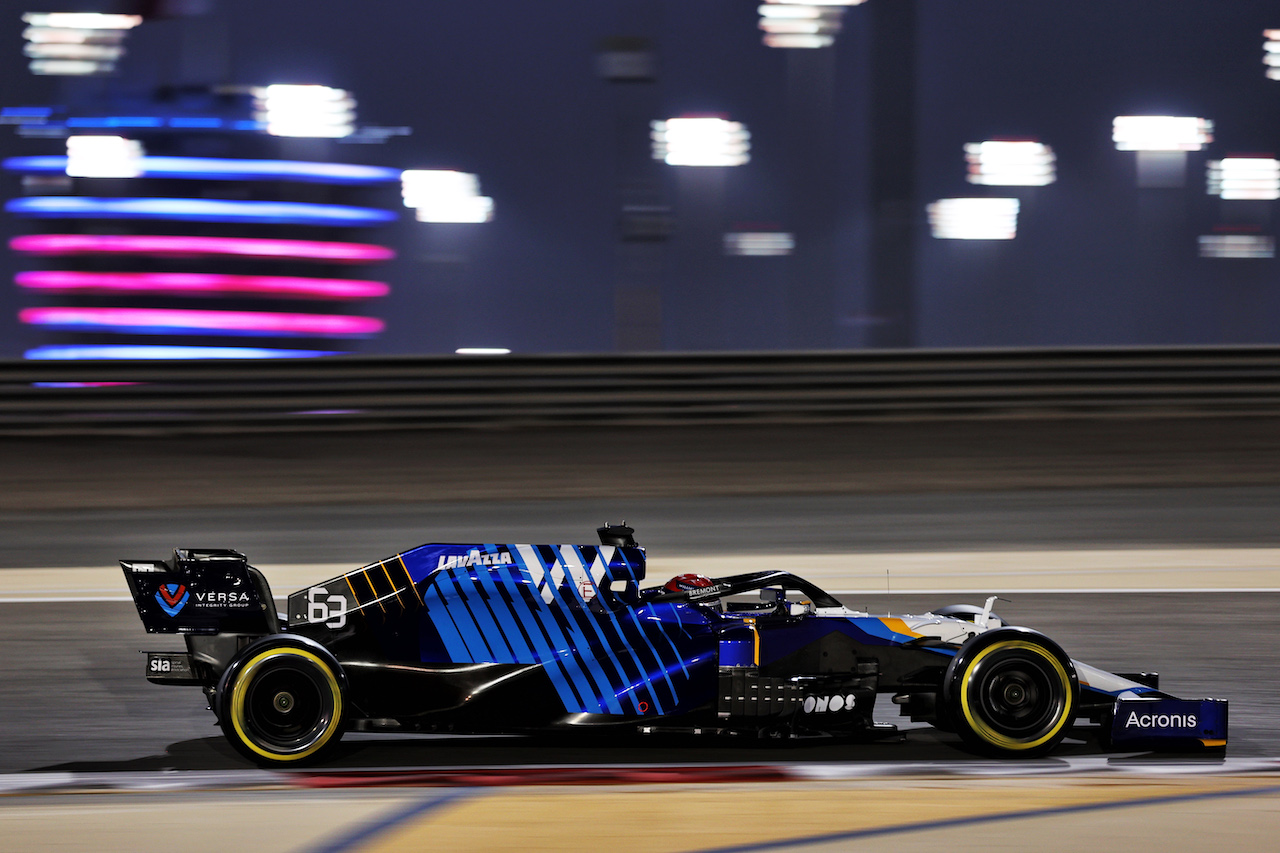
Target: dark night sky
{"points": [[509, 91]]}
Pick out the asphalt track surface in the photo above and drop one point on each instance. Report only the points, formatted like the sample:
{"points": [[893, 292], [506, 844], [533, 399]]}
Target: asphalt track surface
{"points": [[73, 696], [357, 533], [608, 464]]}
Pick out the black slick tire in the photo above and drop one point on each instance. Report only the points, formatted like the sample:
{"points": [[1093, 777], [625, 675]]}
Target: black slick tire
{"points": [[1011, 692], [282, 702]]}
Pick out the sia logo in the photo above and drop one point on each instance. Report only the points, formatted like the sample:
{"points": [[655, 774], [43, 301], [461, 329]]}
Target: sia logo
{"points": [[172, 597]]}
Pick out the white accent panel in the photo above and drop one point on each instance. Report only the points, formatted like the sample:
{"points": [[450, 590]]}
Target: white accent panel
{"points": [[533, 564], [556, 576], [1100, 679], [599, 569], [947, 630], [569, 557]]}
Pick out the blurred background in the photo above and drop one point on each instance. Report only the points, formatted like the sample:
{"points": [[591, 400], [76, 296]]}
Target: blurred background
{"points": [[924, 300], [636, 175]]}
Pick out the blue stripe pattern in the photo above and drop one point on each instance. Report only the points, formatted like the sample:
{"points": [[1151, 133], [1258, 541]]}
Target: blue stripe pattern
{"points": [[557, 606]]}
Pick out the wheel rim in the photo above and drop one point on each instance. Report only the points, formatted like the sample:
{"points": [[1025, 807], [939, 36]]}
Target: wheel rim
{"points": [[286, 704], [1016, 695], [285, 708]]}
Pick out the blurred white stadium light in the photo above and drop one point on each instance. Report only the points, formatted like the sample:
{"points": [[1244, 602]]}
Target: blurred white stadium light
{"points": [[759, 243], [700, 141], [974, 218], [1271, 53], [305, 110], [104, 157], [89, 52], [68, 67], [75, 43], [482, 351], [1161, 133], [810, 24], [1244, 178], [442, 195], [1010, 163], [82, 20], [1237, 246]]}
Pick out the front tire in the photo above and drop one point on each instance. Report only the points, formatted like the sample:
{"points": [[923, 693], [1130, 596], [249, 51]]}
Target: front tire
{"points": [[1012, 692], [282, 703]]}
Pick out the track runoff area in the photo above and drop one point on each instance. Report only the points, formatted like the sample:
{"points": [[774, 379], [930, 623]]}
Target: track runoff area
{"points": [[769, 804]]}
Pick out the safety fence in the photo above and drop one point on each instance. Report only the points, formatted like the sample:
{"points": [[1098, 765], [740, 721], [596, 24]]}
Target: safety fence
{"points": [[366, 392]]}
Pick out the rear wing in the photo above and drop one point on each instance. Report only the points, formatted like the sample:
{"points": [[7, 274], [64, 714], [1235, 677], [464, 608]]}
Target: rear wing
{"points": [[201, 592]]}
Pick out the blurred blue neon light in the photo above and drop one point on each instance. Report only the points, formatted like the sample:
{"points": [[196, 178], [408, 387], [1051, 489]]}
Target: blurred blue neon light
{"points": [[116, 121], [113, 351], [26, 112], [176, 122], [195, 121], [221, 169], [196, 210], [43, 116]]}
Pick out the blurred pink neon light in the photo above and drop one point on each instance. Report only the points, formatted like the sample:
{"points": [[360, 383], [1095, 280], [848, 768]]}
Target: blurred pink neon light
{"points": [[200, 284], [160, 320], [138, 244]]}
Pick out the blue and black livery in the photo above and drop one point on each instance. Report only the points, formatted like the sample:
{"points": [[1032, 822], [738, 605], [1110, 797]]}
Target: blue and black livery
{"points": [[524, 638]]}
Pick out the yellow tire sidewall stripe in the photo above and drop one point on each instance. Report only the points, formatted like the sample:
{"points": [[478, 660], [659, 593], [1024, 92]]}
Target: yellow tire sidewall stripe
{"points": [[980, 726], [245, 676]]}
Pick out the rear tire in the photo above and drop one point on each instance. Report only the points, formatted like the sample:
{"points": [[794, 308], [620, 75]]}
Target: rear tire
{"points": [[1012, 692], [282, 702]]}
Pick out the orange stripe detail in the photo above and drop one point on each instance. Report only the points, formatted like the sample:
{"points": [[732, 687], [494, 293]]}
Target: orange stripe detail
{"points": [[413, 586], [755, 633], [1213, 742], [390, 581], [897, 626], [372, 589]]}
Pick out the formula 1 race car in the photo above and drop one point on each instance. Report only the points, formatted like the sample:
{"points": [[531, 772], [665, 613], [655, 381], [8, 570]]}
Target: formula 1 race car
{"points": [[498, 638]]}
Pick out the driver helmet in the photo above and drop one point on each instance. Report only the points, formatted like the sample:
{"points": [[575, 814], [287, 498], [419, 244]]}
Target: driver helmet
{"points": [[680, 583]]}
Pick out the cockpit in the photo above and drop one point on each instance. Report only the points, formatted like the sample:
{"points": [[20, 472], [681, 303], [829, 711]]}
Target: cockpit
{"points": [[756, 595], [771, 601]]}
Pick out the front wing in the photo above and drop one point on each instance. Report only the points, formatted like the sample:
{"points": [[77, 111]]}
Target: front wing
{"points": [[1162, 722]]}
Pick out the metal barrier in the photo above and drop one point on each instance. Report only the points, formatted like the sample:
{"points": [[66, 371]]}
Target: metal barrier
{"points": [[365, 392]]}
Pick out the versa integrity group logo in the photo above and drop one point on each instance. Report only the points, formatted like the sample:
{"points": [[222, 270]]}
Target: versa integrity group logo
{"points": [[172, 597]]}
